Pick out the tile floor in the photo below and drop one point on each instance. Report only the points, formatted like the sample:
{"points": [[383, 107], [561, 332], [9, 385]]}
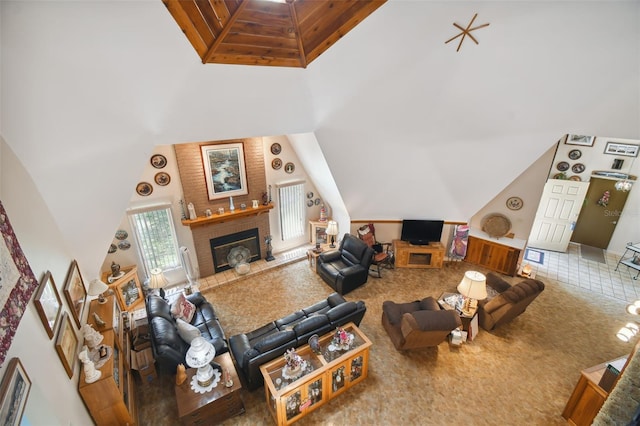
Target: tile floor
{"points": [[571, 269], [567, 268]]}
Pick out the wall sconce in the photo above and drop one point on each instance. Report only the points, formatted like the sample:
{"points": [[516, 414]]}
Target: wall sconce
{"points": [[627, 332]]}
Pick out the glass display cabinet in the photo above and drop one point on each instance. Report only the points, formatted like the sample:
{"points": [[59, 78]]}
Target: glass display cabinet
{"points": [[324, 375]]}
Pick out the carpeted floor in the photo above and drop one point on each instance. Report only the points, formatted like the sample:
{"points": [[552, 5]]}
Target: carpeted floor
{"points": [[522, 373]]}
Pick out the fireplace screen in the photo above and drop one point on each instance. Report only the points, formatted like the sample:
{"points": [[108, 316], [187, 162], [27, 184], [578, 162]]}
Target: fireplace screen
{"points": [[221, 247]]}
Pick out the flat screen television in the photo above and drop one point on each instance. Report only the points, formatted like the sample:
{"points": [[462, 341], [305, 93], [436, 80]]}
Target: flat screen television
{"points": [[421, 232]]}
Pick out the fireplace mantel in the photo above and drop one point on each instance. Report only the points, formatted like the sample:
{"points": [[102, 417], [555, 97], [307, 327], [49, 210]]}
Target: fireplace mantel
{"points": [[227, 216]]}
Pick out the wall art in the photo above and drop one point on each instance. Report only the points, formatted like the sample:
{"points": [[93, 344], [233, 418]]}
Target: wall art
{"points": [[67, 344], [14, 392], [48, 303], [144, 189], [276, 148], [162, 179], [514, 203], [289, 168], [224, 170], [624, 149], [158, 161], [18, 283], [580, 140], [75, 292]]}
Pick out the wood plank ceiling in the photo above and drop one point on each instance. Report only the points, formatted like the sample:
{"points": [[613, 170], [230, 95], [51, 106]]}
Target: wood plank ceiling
{"points": [[264, 32]]}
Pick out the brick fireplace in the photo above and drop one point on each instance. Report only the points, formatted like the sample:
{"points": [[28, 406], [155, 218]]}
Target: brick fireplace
{"points": [[222, 247]]}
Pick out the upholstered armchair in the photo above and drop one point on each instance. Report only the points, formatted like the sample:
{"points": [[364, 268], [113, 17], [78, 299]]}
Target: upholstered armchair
{"points": [[508, 301], [346, 268], [418, 324]]}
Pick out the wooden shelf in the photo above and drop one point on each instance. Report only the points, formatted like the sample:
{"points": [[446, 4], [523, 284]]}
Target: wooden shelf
{"points": [[227, 216]]}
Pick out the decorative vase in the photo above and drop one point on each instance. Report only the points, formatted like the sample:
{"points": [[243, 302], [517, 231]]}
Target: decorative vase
{"points": [[181, 374], [231, 206]]}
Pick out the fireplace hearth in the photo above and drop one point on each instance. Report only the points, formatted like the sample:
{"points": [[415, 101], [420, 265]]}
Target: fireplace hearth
{"points": [[221, 247]]}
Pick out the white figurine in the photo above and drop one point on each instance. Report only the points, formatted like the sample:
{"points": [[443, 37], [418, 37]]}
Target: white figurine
{"points": [[91, 336], [90, 372]]}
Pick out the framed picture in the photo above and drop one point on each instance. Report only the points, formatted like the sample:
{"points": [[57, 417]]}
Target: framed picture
{"points": [[224, 170], [75, 292], [580, 140], [128, 291], [14, 391], [619, 148], [48, 304], [67, 344]]}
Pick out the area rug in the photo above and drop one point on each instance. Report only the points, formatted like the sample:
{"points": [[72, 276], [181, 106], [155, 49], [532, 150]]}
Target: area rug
{"points": [[594, 254], [534, 256]]}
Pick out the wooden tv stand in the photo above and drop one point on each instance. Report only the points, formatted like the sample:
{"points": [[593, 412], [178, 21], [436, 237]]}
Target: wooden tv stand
{"points": [[410, 256]]}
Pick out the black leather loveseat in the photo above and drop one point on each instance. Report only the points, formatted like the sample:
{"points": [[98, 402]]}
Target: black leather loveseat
{"points": [[169, 349], [346, 268], [251, 350]]}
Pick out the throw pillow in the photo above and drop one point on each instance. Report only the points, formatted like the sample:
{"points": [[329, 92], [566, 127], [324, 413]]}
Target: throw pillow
{"points": [[182, 308], [187, 331]]}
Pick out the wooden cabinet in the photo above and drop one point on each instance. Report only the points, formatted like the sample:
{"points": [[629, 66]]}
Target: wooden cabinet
{"points": [[587, 397], [326, 376], [497, 257], [111, 399], [127, 288], [411, 256], [318, 231]]}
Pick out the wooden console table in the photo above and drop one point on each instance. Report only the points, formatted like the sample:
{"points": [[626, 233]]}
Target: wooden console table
{"points": [[410, 256], [329, 374]]}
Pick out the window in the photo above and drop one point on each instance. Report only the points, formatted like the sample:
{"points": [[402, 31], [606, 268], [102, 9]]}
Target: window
{"points": [[157, 242], [292, 210]]}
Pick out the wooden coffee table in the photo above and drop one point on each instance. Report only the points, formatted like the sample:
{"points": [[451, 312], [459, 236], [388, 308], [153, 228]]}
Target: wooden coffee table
{"points": [[217, 405]]}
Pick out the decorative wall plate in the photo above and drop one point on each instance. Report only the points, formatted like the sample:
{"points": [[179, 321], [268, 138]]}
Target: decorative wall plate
{"points": [[289, 167], [562, 166], [309, 194], [574, 154], [578, 168], [121, 234], [112, 248], [514, 203], [575, 178], [144, 189], [124, 245], [276, 149], [158, 161], [316, 201], [276, 163], [309, 203], [162, 178]]}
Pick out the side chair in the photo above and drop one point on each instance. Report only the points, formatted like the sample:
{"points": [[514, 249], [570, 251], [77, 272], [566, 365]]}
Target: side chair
{"points": [[383, 255]]}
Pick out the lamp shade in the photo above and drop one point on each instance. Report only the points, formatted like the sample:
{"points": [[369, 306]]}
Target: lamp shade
{"points": [[473, 285], [332, 227], [157, 279], [199, 356], [97, 287]]}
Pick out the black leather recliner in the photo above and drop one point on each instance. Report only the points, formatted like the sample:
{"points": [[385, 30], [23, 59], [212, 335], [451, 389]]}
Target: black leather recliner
{"points": [[346, 268], [252, 349], [169, 349]]}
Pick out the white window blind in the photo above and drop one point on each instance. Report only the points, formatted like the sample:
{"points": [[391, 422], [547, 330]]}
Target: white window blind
{"points": [[156, 237], [292, 210]]}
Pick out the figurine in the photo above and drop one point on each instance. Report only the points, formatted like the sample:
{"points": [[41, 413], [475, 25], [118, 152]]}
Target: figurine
{"points": [[99, 321], [115, 270], [90, 372], [92, 337], [228, 381], [181, 374]]}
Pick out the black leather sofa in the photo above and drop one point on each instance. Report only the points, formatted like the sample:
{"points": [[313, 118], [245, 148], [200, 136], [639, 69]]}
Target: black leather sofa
{"points": [[346, 268], [169, 349], [251, 350]]}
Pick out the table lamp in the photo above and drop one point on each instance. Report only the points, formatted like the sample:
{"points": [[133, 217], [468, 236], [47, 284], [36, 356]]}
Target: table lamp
{"points": [[199, 356], [473, 286], [332, 231], [97, 288], [158, 280]]}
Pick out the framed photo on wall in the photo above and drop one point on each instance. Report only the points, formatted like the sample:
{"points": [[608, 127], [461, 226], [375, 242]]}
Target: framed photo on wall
{"points": [[67, 344], [224, 170], [624, 149], [580, 140], [14, 391], [75, 292], [48, 303]]}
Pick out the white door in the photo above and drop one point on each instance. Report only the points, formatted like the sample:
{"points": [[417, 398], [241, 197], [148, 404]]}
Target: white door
{"points": [[557, 213]]}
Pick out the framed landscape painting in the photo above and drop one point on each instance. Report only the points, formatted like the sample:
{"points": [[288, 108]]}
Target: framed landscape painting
{"points": [[48, 304], [14, 391], [75, 292], [67, 344], [224, 170]]}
